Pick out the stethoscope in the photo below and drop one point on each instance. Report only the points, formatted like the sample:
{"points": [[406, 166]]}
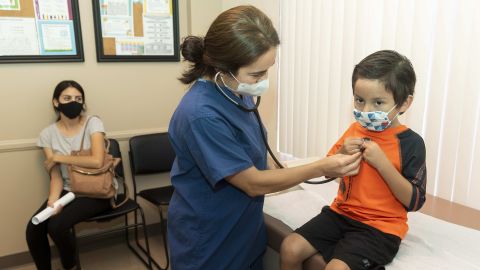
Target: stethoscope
{"points": [[254, 109]]}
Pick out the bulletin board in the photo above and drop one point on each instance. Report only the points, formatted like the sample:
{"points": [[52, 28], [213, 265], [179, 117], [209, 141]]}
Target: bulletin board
{"points": [[40, 31], [136, 30]]}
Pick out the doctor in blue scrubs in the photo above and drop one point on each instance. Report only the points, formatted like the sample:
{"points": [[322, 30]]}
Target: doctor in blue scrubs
{"points": [[220, 175]]}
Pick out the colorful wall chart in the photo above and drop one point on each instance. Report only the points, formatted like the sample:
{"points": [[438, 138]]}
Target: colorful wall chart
{"points": [[40, 31], [136, 30]]}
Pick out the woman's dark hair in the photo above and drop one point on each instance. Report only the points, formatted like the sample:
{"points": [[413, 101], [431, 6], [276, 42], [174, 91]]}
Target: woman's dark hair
{"points": [[392, 69], [61, 86], [236, 38]]}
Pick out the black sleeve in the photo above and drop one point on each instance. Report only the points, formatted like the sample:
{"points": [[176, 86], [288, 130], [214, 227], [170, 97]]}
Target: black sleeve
{"points": [[413, 153]]}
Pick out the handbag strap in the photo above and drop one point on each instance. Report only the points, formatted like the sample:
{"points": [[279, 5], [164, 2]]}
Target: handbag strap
{"points": [[85, 130], [107, 146], [126, 193]]}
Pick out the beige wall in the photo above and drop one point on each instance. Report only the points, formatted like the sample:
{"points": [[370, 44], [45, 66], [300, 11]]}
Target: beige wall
{"points": [[131, 98]]}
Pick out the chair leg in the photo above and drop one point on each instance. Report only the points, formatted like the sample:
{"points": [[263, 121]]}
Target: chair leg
{"points": [[147, 251], [136, 231], [127, 239], [164, 236], [146, 240]]}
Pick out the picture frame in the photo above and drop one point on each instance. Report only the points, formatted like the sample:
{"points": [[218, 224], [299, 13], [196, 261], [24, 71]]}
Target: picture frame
{"points": [[136, 30], [33, 31]]}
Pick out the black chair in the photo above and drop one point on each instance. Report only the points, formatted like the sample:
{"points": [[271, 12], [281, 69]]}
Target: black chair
{"points": [[130, 206], [152, 154]]}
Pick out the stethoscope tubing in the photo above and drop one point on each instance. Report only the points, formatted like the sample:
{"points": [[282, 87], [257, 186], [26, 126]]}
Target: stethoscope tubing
{"points": [[254, 109]]}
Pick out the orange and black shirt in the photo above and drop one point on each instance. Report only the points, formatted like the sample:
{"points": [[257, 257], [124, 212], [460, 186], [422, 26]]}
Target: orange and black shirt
{"points": [[366, 197]]}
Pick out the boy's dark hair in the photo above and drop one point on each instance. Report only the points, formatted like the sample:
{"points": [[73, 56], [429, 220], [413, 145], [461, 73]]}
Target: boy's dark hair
{"points": [[392, 69]]}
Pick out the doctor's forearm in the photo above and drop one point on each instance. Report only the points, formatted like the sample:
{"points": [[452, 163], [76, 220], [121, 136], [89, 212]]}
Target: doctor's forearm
{"points": [[255, 182]]}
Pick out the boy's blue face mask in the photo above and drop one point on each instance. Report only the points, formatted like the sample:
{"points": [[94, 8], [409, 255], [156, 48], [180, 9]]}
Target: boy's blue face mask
{"points": [[374, 121]]}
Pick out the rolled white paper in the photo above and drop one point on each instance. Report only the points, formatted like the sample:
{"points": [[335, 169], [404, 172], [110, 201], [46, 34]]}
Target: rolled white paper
{"points": [[47, 212], [64, 200]]}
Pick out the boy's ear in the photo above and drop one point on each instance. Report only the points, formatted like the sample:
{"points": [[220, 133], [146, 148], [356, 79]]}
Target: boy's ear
{"points": [[406, 104]]}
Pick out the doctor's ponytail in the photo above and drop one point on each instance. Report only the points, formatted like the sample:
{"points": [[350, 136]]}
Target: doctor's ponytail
{"points": [[192, 49]]}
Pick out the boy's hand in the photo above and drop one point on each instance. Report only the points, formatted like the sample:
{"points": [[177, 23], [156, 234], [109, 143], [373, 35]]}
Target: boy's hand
{"points": [[373, 154], [351, 146]]}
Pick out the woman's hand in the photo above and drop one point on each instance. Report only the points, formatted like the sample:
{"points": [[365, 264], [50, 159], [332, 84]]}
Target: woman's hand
{"points": [[95, 160], [374, 155], [351, 146], [49, 163], [50, 203], [341, 165]]}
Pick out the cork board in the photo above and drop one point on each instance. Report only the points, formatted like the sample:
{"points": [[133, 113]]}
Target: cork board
{"points": [[26, 10], [40, 31], [136, 30]]}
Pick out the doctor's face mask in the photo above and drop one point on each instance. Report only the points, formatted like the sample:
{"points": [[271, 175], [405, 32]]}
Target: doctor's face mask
{"points": [[374, 121], [256, 89]]}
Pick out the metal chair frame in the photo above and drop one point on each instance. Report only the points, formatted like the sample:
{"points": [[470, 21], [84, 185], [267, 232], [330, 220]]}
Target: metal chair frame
{"points": [[129, 207]]}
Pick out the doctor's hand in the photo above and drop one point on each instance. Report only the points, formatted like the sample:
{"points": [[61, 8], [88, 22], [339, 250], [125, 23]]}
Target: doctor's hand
{"points": [[341, 165], [351, 146]]}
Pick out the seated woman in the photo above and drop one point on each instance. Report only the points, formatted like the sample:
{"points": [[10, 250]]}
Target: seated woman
{"points": [[57, 141]]}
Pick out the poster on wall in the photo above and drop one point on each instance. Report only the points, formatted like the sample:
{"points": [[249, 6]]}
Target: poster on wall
{"points": [[136, 30], [40, 31]]}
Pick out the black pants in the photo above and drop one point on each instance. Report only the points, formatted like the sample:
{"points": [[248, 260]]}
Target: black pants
{"points": [[358, 245], [59, 227]]}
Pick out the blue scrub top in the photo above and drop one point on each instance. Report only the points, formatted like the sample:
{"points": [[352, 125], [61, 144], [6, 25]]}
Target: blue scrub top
{"points": [[211, 223]]}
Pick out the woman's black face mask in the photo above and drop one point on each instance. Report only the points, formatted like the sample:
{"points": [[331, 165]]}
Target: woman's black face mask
{"points": [[70, 109]]}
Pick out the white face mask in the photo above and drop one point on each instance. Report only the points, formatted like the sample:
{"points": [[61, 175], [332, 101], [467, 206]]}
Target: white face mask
{"points": [[256, 89], [374, 121]]}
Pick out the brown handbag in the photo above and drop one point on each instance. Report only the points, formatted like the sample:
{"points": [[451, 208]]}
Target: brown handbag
{"points": [[95, 183]]}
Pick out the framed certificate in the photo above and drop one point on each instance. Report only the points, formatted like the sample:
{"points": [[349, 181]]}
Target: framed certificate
{"points": [[136, 30], [40, 31]]}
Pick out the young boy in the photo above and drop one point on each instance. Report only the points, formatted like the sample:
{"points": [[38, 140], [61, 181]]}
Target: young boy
{"points": [[363, 227]]}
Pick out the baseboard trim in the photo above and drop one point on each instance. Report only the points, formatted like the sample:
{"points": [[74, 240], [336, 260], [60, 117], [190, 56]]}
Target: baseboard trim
{"points": [[88, 243], [18, 259]]}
